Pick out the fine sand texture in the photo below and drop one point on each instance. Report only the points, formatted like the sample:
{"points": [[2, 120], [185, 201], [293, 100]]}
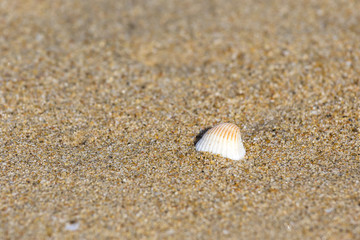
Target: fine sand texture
{"points": [[101, 102]]}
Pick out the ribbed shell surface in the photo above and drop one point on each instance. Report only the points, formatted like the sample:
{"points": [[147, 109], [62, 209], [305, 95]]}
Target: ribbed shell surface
{"points": [[223, 139]]}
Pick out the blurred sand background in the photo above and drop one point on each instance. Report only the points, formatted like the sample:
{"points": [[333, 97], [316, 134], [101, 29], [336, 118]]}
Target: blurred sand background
{"points": [[101, 101]]}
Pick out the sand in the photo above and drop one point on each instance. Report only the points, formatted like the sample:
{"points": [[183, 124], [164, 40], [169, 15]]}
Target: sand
{"points": [[101, 102]]}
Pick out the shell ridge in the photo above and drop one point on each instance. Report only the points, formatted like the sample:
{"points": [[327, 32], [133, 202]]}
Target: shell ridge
{"points": [[220, 141], [227, 141], [227, 149], [203, 145], [214, 140]]}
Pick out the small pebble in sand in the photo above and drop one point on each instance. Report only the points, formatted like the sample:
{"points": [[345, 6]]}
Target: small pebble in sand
{"points": [[223, 139], [72, 226]]}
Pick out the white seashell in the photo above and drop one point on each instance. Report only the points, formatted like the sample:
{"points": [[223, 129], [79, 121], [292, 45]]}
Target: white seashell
{"points": [[223, 139]]}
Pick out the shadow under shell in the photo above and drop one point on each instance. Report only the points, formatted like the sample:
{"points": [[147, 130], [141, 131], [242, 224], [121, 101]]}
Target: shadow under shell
{"points": [[200, 135]]}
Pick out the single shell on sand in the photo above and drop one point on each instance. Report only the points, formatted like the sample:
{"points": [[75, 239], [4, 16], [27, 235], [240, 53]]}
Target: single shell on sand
{"points": [[223, 139]]}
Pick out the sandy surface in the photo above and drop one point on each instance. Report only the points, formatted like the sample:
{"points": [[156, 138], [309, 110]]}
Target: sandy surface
{"points": [[101, 101]]}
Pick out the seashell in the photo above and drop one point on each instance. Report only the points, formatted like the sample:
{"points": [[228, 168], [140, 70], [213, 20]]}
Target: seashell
{"points": [[223, 139]]}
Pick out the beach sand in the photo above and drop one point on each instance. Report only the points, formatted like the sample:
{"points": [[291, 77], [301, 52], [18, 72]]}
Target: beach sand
{"points": [[101, 102]]}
